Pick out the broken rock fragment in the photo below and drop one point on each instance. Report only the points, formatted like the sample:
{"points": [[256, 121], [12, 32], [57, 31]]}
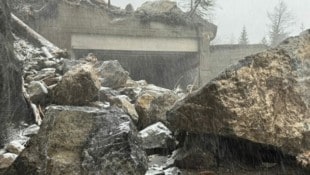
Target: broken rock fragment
{"points": [[113, 74], [157, 136], [7, 159], [123, 102], [152, 105], [38, 92], [15, 147]]}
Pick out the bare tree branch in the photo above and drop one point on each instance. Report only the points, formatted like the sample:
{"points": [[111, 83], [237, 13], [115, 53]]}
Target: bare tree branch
{"points": [[280, 21]]}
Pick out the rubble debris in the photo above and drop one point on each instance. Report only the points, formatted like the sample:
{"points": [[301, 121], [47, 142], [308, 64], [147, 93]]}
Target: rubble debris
{"points": [[31, 130], [14, 108], [15, 147], [38, 92], [49, 49]]}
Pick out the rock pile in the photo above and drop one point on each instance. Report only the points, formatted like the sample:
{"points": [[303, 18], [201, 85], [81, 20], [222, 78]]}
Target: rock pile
{"points": [[14, 108], [92, 118], [96, 132], [214, 129]]}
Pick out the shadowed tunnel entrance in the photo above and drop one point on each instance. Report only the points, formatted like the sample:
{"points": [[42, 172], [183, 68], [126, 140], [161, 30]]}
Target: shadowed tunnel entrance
{"points": [[166, 69]]}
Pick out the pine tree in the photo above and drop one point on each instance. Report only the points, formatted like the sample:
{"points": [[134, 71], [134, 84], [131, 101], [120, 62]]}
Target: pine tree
{"points": [[243, 40]]}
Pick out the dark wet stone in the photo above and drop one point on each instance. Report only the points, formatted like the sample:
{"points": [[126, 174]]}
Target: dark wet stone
{"points": [[83, 140]]}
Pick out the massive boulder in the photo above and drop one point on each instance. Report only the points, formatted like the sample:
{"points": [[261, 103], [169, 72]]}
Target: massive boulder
{"points": [[263, 99], [13, 106], [83, 140]]}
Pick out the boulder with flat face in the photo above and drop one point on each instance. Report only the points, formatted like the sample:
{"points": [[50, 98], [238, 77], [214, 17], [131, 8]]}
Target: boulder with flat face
{"points": [[83, 140], [263, 99]]}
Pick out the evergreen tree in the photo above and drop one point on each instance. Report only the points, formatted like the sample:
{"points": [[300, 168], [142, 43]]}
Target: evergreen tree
{"points": [[243, 40]]}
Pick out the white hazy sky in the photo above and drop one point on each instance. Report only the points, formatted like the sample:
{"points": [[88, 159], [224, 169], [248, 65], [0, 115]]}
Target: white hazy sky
{"points": [[231, 15]]}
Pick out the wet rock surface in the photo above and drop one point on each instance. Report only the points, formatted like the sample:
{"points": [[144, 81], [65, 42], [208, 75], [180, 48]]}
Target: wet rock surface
{"points": [[43, 80], [157, 136], [104, 142], [252, 119], [262, 99]]}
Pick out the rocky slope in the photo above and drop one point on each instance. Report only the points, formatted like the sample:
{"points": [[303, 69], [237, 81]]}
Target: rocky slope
{"points": [[14, 109], [98, 132]]}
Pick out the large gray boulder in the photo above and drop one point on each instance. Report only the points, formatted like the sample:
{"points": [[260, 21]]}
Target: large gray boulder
{"points": [[83, 140], [263, 99], [13, 106]]}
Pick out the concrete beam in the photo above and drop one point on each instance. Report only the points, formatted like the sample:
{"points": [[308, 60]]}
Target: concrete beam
{"points": [[127, 43]]}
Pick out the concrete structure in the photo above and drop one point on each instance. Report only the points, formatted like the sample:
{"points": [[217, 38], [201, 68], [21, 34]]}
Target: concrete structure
{"points": [[222, 56], [160, 50]]}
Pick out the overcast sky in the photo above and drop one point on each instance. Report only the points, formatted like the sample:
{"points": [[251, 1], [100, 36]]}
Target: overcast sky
{"points": [[231, 15]]}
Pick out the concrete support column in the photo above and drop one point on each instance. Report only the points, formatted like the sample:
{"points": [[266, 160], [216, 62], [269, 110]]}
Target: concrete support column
{"points": [[204, 53]]}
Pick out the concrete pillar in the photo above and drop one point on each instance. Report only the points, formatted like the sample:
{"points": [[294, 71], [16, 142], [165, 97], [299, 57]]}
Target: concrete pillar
{"points": [[204, 53]]}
